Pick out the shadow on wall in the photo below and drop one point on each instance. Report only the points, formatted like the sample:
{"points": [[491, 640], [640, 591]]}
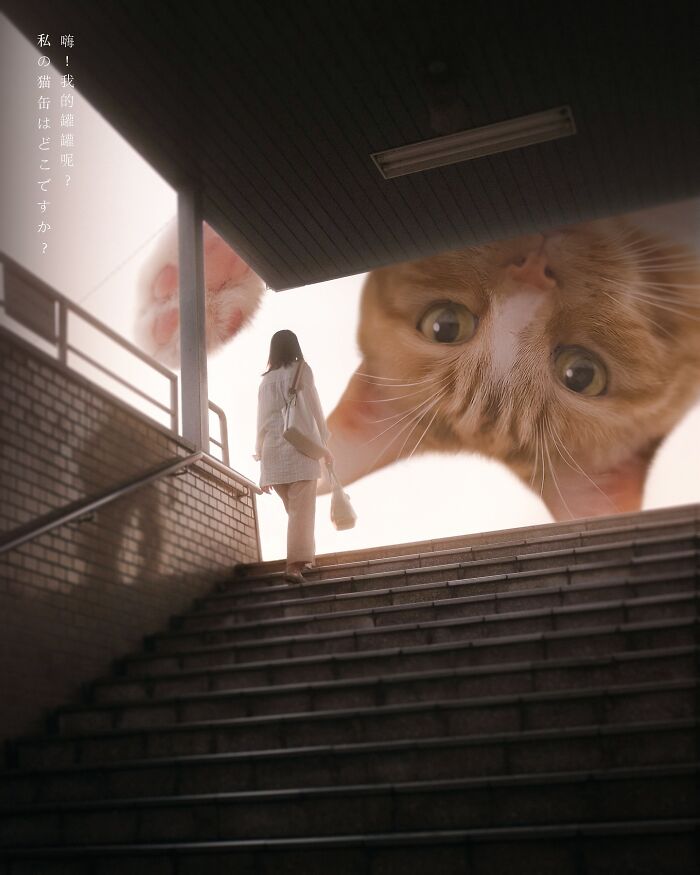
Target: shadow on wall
{"points": [[126, 545]]}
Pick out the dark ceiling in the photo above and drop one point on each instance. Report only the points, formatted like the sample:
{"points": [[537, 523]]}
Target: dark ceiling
{"points": [[273, 109]]}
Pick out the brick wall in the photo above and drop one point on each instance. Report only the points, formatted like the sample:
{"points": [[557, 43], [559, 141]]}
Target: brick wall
{"points": [[74, 599]]}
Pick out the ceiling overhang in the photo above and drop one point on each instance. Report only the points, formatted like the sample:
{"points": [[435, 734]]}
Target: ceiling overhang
{"points": [[274, 110]]}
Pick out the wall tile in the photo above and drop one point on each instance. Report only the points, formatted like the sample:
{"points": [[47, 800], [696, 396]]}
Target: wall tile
{"points": [[73, 600]]}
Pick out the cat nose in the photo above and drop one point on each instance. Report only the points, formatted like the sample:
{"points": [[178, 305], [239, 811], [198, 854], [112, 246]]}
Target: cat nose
{"points": [[533, 270]]}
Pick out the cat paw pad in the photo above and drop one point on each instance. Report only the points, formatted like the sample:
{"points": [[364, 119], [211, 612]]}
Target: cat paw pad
{"points": [[232, 295]]}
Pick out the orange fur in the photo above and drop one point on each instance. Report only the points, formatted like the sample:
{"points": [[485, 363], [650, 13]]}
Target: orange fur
{"points": [[630, 298]]}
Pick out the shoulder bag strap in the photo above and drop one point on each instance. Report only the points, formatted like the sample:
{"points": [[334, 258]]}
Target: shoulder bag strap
{"points": [[333, 477], [295, 381]]}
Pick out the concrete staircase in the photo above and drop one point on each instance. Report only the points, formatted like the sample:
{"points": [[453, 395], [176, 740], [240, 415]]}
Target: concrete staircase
{"points": [[515, 702]]}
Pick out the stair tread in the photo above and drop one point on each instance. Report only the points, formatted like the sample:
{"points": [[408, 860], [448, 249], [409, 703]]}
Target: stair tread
{"points": [[689, 596], [529, 833], [478, 740], [606, 692], [310, 594], [533, 778], [368, 654], [590, 526], [310, 598], [233, 586], [582, 663]]}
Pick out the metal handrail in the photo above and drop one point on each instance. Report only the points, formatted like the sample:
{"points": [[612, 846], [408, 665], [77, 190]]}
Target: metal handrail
{"points": [[80, 508], [223, 432], [68, 305], [95, 364], [84, 506], [60, 340]]}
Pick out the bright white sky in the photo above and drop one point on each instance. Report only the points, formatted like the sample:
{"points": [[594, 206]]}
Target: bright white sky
{"points": [[114, 203]]}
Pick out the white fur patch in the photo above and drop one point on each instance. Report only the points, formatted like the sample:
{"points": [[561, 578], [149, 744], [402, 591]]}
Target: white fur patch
{"points": [[510, 315]]}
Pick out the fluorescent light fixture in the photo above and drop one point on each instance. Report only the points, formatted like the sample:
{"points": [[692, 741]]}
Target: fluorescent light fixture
{"points": [[539, 127]]}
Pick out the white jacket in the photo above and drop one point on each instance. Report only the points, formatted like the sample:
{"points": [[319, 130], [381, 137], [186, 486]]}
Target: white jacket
{"points": [[281, 462]]}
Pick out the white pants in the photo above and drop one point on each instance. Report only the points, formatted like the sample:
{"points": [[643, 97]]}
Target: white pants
{"points": [[300, 503]]}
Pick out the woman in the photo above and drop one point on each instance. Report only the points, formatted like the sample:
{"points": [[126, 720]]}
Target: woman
{"points": [[292, 474]]}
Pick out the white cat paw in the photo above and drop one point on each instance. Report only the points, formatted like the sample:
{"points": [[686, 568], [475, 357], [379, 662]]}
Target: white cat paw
{"points": [[233, 293]]}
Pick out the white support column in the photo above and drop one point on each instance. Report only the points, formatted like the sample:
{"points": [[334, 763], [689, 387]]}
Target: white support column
{"points": [[193, 345]]}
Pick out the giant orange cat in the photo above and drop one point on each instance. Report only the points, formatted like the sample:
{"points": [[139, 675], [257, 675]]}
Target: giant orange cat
{"points": [[568, 355]]}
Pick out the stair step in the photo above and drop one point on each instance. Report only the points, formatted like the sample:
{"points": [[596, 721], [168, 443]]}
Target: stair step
{"points": [[449, 706], [595, 528], [512, 591], [420, 568], [218, 668], [651, 847], [429, 622], [426, 686], [512, 800], [669, 700], [353, 610], [580, 748]]}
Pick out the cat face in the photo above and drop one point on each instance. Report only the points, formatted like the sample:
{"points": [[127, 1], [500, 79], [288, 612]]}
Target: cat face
{"points": [[232, 295], [567, 356]]}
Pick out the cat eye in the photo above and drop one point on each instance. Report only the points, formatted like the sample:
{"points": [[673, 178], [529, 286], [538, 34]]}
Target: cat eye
{"points": [[447, 322], [580, 371]]}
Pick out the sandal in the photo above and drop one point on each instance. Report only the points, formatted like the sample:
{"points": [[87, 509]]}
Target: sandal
{"points": [[295, 577]]}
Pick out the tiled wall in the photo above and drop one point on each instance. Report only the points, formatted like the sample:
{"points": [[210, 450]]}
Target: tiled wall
{"points": [[76, 598]]}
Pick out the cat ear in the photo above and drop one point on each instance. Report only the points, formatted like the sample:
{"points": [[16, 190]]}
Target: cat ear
{"points": [[366, 427], [573, 493]]}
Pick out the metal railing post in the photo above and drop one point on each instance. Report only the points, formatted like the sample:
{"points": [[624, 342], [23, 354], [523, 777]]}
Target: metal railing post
{"points": [[193, 341], [174, 408], [225, 458], [62, 333]]}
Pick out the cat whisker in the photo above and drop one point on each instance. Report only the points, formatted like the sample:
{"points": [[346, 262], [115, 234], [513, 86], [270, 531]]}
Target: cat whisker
{"points": [[631, 238], [650, 255], [574, 465], [651, 258], [415, 422], [649, 298], [632, 248], [658, 294], [410, 425], [660, 247], [672, 300], [396, 380], [654, 302], [627, 306], [541, 438], [659, 284], [539, 469], [427, 428], [669, 296], [554, 478], [647, 265], [431, 387], [396, 397], [639, 247], [403, 416], [537, 453], [622, 231]]}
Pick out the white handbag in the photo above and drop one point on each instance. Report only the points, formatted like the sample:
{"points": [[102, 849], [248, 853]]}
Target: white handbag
{"points": [[300, 427], [343, 515]]}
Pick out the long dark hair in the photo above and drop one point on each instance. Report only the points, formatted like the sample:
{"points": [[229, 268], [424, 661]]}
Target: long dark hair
{"points": [[284, 349]]}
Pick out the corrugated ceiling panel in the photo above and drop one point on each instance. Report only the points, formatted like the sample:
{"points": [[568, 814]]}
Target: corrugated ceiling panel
{"points": [[274, 108]]}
